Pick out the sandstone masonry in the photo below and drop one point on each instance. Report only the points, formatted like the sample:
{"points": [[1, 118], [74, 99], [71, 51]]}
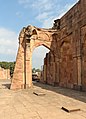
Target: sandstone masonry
{"points": [[69, 67], [4, 73]]}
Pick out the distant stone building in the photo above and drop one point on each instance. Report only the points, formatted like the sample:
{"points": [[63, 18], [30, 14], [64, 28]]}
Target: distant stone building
{"points": [[4, 73]]}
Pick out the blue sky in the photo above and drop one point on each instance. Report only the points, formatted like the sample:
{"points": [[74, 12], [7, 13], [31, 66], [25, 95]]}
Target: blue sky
{"points": [[15, 14]]}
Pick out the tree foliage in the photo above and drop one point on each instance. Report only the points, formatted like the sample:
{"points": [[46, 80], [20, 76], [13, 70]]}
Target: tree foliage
{"points": [[35, 70], [11, 66]]}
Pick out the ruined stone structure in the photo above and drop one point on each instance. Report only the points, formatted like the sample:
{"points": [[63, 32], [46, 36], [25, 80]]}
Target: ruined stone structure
{"points": [[65, 64], [4, 73], [29, 38]]}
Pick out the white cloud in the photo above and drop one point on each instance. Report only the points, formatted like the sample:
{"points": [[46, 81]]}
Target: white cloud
{"points": [[47, 11], [8, 42], [43, 5], [48, 22], [42, 16], [19, 14], [48, 18], [23, 1]]}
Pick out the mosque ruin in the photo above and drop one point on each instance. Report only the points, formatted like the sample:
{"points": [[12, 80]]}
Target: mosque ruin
{"points": [[65, 64]]}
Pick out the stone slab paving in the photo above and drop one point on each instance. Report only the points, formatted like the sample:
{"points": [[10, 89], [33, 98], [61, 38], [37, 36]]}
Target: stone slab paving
{"points": [[23, 104]]}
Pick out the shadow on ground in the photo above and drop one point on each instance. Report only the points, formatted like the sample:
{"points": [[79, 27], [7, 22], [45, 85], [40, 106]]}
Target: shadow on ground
{"points": [[5, 84], [78, 95]]}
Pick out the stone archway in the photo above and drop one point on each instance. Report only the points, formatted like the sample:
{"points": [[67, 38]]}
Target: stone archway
{"points": [[30, 37]]}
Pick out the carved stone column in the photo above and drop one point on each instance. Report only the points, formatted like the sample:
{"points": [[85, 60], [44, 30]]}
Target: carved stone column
{"points": [[79, 71], [77, 59], [28, 66], [57, 68]]}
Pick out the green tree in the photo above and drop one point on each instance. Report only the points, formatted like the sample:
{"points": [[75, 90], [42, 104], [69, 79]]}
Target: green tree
{"points": [[33, 70], [38, 70]]}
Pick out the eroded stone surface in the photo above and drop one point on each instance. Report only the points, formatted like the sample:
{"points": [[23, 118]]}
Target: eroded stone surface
{"points": [[67, 68], [4, 73]]}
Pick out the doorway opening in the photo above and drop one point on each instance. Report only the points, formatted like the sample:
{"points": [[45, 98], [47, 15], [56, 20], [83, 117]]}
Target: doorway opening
{"points": [[38, 61]]}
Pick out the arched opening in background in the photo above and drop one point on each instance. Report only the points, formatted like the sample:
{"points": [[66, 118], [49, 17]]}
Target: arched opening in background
{"points": [[38, 56]]}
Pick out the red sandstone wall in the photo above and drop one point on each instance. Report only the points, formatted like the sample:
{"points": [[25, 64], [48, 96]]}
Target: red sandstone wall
{"points": [[69, 67], [4, 73]]}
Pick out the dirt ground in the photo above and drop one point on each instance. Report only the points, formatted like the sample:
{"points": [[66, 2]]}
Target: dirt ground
{"points": [[24, 104]]}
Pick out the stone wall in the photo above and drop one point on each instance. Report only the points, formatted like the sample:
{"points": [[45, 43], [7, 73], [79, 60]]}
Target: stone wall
{"points": [[4, 73], [68, 67]]}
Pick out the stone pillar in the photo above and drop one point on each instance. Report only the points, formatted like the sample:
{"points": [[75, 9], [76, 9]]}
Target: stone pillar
{"points": [[75, 71], [53, 73], [79, 71], [45, 78], [79, 62], [45, 69], [18, 76], [57, 76], [28, 66], [77, 58]]}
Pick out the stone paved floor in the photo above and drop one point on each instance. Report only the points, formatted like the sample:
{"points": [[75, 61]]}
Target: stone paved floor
{"points": [[23, 104]]}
